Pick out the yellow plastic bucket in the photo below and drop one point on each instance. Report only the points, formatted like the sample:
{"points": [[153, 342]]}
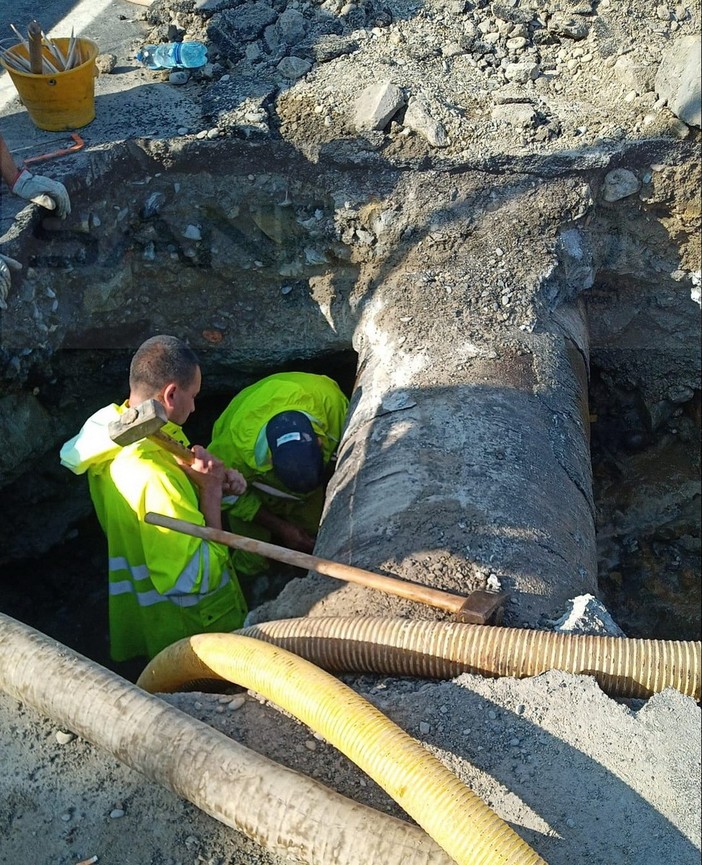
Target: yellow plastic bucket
{"points": [[61, 100]]}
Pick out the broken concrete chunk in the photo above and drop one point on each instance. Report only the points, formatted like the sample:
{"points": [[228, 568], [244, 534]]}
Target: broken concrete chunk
{"points": [[678, 79], [232, 27], [418, 118], [569, 26], [587, 615], [634, 74], [520, 73], [377, 105], [291, 27], [326, 48], [620, 183], [515, 113], [294, 67], [288, 30]]}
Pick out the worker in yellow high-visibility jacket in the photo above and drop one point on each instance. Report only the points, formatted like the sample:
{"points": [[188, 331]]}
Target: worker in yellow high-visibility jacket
{"points": [[285, 430], [163, 585]]}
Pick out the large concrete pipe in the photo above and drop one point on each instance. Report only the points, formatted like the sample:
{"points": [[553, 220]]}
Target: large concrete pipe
{"points": [[466, 451], [497, 448]]}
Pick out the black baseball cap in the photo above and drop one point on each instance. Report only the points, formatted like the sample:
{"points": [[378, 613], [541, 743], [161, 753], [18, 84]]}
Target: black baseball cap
{"points": [[295, 451]]}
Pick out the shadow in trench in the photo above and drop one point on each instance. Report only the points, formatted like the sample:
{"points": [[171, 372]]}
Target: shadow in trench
{"points": [[63, 593]]}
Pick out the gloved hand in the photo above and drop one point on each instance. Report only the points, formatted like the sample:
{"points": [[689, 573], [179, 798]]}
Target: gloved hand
{"points": [[43, 191], [6, 265]]}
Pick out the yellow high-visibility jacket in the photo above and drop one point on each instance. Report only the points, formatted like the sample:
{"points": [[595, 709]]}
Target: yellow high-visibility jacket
{"points": [[163, 585], [239, 434]]}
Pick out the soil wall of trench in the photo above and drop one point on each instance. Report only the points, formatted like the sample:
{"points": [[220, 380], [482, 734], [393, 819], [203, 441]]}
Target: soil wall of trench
{"points": [[477, 301]]}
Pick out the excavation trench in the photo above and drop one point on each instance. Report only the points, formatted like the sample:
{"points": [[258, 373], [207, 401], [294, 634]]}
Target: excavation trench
{"points": [[470, 317]]}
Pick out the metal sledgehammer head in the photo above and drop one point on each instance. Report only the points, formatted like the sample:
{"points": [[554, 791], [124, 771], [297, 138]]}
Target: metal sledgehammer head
{"points": [[482, 608], [137, 423]]}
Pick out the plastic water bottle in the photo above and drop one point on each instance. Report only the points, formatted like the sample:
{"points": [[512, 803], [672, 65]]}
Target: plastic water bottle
{"points": [[169, 54]]}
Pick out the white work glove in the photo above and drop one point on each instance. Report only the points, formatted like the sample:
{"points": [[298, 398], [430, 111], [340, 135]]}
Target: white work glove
{"points": [[6, 265], [43, 191]]}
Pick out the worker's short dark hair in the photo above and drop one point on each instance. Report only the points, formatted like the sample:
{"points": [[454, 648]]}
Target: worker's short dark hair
{"points": [[160, 360]]}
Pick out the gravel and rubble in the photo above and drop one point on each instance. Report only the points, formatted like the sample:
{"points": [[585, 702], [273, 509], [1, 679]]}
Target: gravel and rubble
{"points": [[529, 90], [462, 81], [581, 777]]}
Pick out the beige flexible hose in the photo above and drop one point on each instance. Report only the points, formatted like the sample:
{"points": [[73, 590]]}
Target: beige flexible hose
{"points": [[287, 813], [449, 811], [432, 649]]}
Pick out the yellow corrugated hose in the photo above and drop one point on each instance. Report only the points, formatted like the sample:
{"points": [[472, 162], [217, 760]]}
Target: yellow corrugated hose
{"points": [[623, 667], [443, 806]]}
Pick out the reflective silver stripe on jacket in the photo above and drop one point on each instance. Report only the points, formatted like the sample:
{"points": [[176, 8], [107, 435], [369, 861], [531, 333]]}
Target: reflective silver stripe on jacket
{"points": [[186, 582], [182, 594]]}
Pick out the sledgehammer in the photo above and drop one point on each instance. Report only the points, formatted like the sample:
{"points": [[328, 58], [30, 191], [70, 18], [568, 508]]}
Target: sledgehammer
{"points": [[146, 420], [478, 608]]}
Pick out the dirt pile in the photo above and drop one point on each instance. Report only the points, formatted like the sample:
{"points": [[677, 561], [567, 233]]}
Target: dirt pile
{"points": [[458, 81], [533, 750]]}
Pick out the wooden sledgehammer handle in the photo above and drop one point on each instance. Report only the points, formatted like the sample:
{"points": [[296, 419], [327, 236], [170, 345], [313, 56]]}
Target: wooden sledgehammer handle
{"points": [[185, 454], [391, 585], [172, 446]]}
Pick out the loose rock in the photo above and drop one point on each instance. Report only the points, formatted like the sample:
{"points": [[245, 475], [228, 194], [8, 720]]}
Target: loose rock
{"points": [[377, 105], [418, 118], [620, 183], [63, 737], [678, 80]]}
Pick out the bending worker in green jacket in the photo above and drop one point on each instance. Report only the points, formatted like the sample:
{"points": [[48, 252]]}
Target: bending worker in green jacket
{"points": [[284, 430], [163, 586]]}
